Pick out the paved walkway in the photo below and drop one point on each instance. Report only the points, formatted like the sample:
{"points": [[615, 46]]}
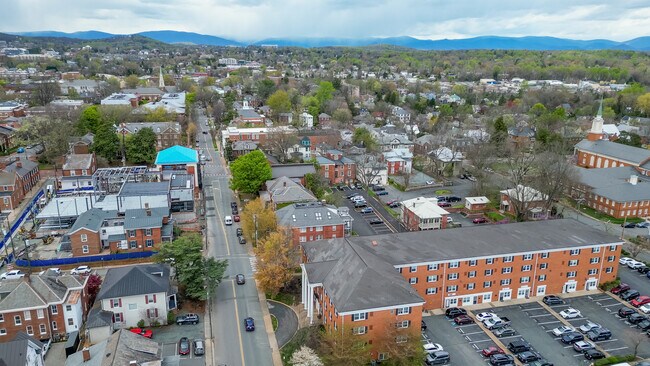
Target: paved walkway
{"points": [[287, 321]]}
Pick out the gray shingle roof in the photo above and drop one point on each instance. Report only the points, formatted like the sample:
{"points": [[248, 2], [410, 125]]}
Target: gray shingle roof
{"points": [[144, 188], [119, 349], [44, 289], [156, 127], [99, 318], [14, 353], [631, 154], [92, 220], [284, 190], [7, 178], [308, 215], [26, 167], [291, 170], [134, 280], [78, 161], [138, 219], [613, 183], [18, 294]]}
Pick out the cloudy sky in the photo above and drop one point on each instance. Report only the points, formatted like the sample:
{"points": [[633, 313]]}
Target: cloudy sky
{"points": [[258, 19]]}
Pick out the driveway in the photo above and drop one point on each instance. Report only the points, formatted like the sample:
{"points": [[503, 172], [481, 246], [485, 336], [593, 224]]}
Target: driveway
{"points": [[287, 321]]}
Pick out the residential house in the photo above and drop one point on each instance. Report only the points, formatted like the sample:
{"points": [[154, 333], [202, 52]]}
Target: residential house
{"points": [[306, 120], [529, 201], [121, 348], [12, 109], [362, 283], [10, 191], [145, 94], [295, 172], [370, 170], [240, 148], [477, 204], [446, 160], [283, 190], [422, 213], [168, 134], [99, 325], [402, 115], [618, 192], [27, 173], [43, 306], [398, 161], [336, 168], [248, 117], [424, 144], [181, 192], [77, 172], [23, 350], [521, 135], [324, 119], [7, 135], [134, 293], [257, 134], [285, 118], [313, 221], [81, 145]]}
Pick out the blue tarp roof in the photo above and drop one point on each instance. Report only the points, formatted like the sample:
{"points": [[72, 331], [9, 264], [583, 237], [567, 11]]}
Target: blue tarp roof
{"points": [[177, 155]]}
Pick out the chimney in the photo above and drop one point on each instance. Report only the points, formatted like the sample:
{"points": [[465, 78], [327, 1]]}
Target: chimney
{"points": [[86, 354], [634, 179], [146, 205], [284, 184], [19, 164], [148, 212]]}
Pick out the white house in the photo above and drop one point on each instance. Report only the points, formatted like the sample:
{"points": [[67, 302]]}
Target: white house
{"points": [[306, 120], [135, 293]]}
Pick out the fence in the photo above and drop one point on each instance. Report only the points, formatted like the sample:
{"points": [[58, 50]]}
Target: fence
{"points": [[77, 260], [21, 218]]}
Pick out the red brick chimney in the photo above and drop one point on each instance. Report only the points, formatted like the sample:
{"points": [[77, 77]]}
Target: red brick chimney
{"points": [[86, 354]]}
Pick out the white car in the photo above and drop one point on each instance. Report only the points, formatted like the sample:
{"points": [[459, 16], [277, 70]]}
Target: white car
{"points": [[624, 260], [560, 331], [51, 271], [634, 264], [485, 316], [589, 326], [645, 308], [570, 313], [81, 270], [12, 275], [432, 347]]}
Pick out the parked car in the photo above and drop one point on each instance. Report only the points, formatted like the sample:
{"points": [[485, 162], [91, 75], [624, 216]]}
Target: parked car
{"points": [[644, 325], [620, 288], [189, 318], [199, 347], [582, 346], [454, 312], [625, 312], [453, 199], [624, 260], [572, 337], [375, 222], [240, 279], [645, 309], [378, 188], [431, 182], [570, 313], [562, 330], [352, 195], [242, 240], [540, 362], [528, 356], [240, 232], [395, 204], [629, 225], [643, 269], [366, 210], [437, 358], [249, 324], [501, 360], [382, 193], [599, 334], [629, 295], [641, 300], [635, 318], [593, 354], [518, 346], [634, 264], [12, 275], [236, 218], [552, 300], [444, 204], [463, 319], [233, 204], [227, 220], [496, 322], [49, 271], [485, 316], [492, 350], [470, 177], [504, 332], [360, 204], [480, 220], [81, 270], [643, 225], [184, 346], [432, 347], [589, 326], [147, 333]]}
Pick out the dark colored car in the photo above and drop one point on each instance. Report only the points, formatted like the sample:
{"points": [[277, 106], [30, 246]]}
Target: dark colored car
{"points": [[629, 225], [454, 199], [249, 323], [518, 346], [233, 204], [635, 318], [189, 318], [644, 325], [504, 332], [352, 195], [643, 269], [375, 222], [463, 319], [454, 312], [630, 295], [552, 300], [572, 337], [184, 346], [242, 240], [528, 356], [378, 188], [620, 288], [480, 220], [235, 211], [444, 204], [593, 354], [625, 312], [382, 193], [600, 334], [423, 325], [643, 225], [240, 279], [501, 360], [240, 232]]}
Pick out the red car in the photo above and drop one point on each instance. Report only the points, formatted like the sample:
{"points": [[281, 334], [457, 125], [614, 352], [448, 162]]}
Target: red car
{"points": [[147, 333], [444, 204], [480, 220], [620, 288], [487, 352], [641, 300], [463, 319], [236, 218]]}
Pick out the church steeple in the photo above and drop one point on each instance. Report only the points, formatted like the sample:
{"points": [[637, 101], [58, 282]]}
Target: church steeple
{"points": [[596, 132], [161, 80]]}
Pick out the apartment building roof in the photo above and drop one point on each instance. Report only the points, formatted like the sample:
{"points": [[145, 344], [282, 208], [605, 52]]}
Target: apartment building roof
{"points": [[144, 188], [27, 166], [135, 280], [292, 170], [14, 352], [424, 207], [91, 220], [634, 155], [78, 161], [40, 291], [156, 127], [177, 155], [7, 178], [614, 183], [308, 215], [283, 190], [120, 348]]}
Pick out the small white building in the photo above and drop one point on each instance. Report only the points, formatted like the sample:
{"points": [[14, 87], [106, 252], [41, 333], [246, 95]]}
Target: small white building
{"points": [[422, 213], [306, 120]]}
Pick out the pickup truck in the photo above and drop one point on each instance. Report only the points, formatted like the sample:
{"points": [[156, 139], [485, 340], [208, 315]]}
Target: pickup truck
{"points": [[496, 322]]}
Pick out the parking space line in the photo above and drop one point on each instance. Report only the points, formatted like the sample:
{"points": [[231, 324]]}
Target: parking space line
{"points": [[540, 315], [551, 322], [616, 349], [607, 306], [479, 332]]}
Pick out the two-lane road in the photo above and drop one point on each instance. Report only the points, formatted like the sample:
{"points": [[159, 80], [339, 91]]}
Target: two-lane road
{"points": [[231, 303]]}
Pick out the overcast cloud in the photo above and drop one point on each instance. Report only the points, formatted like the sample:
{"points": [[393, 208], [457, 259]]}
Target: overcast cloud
{"points": [[258, 19]]}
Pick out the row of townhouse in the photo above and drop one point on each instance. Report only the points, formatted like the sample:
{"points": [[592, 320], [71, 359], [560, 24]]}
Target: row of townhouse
{"points": [[613, 178], [336, 168], [17, 178], [357, 284], [167, 134], [43, 306]]}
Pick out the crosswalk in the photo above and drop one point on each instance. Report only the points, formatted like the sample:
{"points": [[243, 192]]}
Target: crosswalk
{"points": [[253, 261]]}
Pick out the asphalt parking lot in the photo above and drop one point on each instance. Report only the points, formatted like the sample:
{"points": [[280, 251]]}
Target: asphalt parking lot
{"points": [[169, 336], [636, 280], [463, 342], [361, 224]]}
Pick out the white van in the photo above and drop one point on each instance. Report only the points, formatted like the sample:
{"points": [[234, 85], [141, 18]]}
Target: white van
{"points": [[228, 220]]}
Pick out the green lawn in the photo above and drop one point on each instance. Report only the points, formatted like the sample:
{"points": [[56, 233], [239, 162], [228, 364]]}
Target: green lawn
{"points": [[494, 216], [392, 212], [441, 192], [274, 321], [603, 217], [289, 299]]}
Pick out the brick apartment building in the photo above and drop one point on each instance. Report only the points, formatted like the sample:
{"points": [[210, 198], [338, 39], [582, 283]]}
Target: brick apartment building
{"points": [[313, 221], [422, 213], [10, 192], [17, 178], [77, 171], [167, 134], [43, 306], [336, 168], [359, 282], [257, 135]]}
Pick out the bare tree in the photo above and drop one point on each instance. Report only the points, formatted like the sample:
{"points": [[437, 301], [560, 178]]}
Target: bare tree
{"points": [[368, 169], [279, 141], [45, 92], [555, 175], [521, 167], [481, 157]]}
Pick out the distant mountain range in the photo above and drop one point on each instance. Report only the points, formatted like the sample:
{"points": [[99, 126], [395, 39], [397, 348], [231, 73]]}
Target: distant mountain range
{"points": [[486, 42]]}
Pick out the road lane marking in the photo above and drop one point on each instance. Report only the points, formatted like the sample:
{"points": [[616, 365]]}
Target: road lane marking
{"points": [[241, 343], [220, 219]]}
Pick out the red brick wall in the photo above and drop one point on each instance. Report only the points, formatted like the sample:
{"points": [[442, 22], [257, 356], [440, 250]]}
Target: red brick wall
{"points": [[585, 161], [141, 239], [94, 243], [310, 235]]}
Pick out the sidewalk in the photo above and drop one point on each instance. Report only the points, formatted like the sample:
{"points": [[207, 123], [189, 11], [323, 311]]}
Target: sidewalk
{"points": [[15, 213]]}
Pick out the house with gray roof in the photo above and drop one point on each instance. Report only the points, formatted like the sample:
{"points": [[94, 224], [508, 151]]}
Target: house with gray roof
{"points": [[312, 221], [27, 173], [121, 348], [242, 147], [133, 293], [23, 350], [293, 171], [99, 324], [77, 172], [283, 190]]}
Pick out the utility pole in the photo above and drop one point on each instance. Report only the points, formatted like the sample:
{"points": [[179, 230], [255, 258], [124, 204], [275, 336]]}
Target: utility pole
{"points": [[255, 220], [123, 143], [623, 230]]}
